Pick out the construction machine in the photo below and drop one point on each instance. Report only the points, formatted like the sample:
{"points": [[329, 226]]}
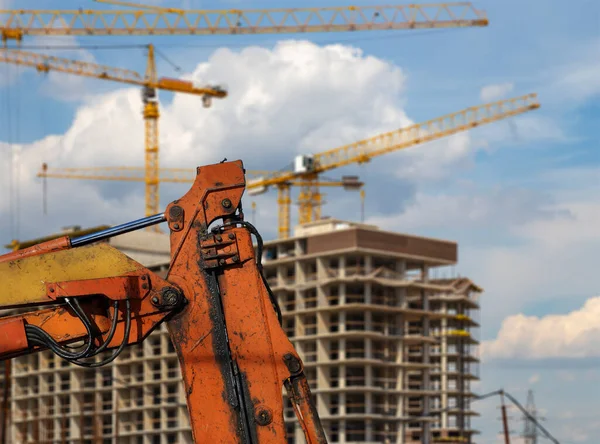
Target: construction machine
{"points": [[81, 298]]}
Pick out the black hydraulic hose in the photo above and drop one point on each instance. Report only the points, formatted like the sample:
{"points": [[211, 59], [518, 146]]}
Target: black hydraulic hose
{"points": [[118, 351], [111, 333], [39, 335]]}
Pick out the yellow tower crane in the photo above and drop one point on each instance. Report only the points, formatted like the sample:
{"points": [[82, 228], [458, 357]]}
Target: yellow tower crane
{"points": [[158, 21], [141, 20], [150, 83], [308, 168]]}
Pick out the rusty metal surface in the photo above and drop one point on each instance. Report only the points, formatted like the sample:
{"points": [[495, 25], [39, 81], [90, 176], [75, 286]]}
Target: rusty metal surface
{"points": [[218, 250], [25, 280], [228, 338], [197, 332], [135, 286], [234, 355], [61, 243], [37, 274], [299, 393], [12, 336]]}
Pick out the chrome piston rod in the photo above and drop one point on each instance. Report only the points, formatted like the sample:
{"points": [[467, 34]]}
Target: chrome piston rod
{"points": [[118, 229]]}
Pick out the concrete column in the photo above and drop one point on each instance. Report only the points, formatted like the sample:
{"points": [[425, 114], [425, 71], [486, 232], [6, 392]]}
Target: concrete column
{"points": [[401, 400], [342, 433], [281, 275], [426, 433], [299, 272], [369, 435], [444, 366], [298, 434], [342, 294], [322, 268], [368, 293], [368, 264], [342, 266]]}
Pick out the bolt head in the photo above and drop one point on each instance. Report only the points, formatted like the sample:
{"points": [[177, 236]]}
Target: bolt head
{"points": [[155, 300], [176, 212], [219, 238], [231, 236], [226, 203], [292, 363], [145, 286], [176, 226], [263, 416]]}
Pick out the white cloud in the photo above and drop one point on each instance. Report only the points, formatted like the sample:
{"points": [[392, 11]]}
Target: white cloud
{"points": [[298, 97], [573, 335], [62, 86], [523, 246], [58, 85], [566, 376], [295, 98], [495, 92], [579, 79], [535, 378], [474, 208], [434, 160]]}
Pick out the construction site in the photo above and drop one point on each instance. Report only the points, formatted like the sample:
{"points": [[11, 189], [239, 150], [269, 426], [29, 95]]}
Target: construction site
{"points": [[386, 330]]}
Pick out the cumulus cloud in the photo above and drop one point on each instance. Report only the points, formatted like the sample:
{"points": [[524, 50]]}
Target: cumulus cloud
{"points": [[495, 208], [523, 246], [495, 92], [579, 80], [296, 98], [58, 85], [573, 335], [535, 378]]}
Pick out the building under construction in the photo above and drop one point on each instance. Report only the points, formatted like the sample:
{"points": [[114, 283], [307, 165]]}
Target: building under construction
{"points": [[388, 345]]}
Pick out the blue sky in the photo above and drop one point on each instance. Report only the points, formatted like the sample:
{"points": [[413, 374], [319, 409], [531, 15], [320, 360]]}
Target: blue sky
{"points": [[519, 196]]}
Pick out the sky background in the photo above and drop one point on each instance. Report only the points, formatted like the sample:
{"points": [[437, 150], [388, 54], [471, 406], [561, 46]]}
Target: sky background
{"points": [[520, 196]]}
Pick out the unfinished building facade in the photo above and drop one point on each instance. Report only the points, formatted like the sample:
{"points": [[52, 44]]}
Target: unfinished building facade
{"points": [[389, 350]]}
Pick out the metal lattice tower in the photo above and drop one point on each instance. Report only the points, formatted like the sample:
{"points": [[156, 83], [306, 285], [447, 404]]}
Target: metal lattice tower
{"points": [[530, 432]]}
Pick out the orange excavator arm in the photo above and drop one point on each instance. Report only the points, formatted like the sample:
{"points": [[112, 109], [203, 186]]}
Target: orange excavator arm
{"points": [[221, 315]]}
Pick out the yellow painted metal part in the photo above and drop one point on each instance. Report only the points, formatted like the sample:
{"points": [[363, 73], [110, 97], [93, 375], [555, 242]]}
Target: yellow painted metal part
{"points": [[17, 23], [24, 281]]}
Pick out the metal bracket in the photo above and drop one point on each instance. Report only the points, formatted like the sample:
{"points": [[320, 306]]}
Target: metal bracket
{"points": [[217, 250], [176, 217], [115, 288]]}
